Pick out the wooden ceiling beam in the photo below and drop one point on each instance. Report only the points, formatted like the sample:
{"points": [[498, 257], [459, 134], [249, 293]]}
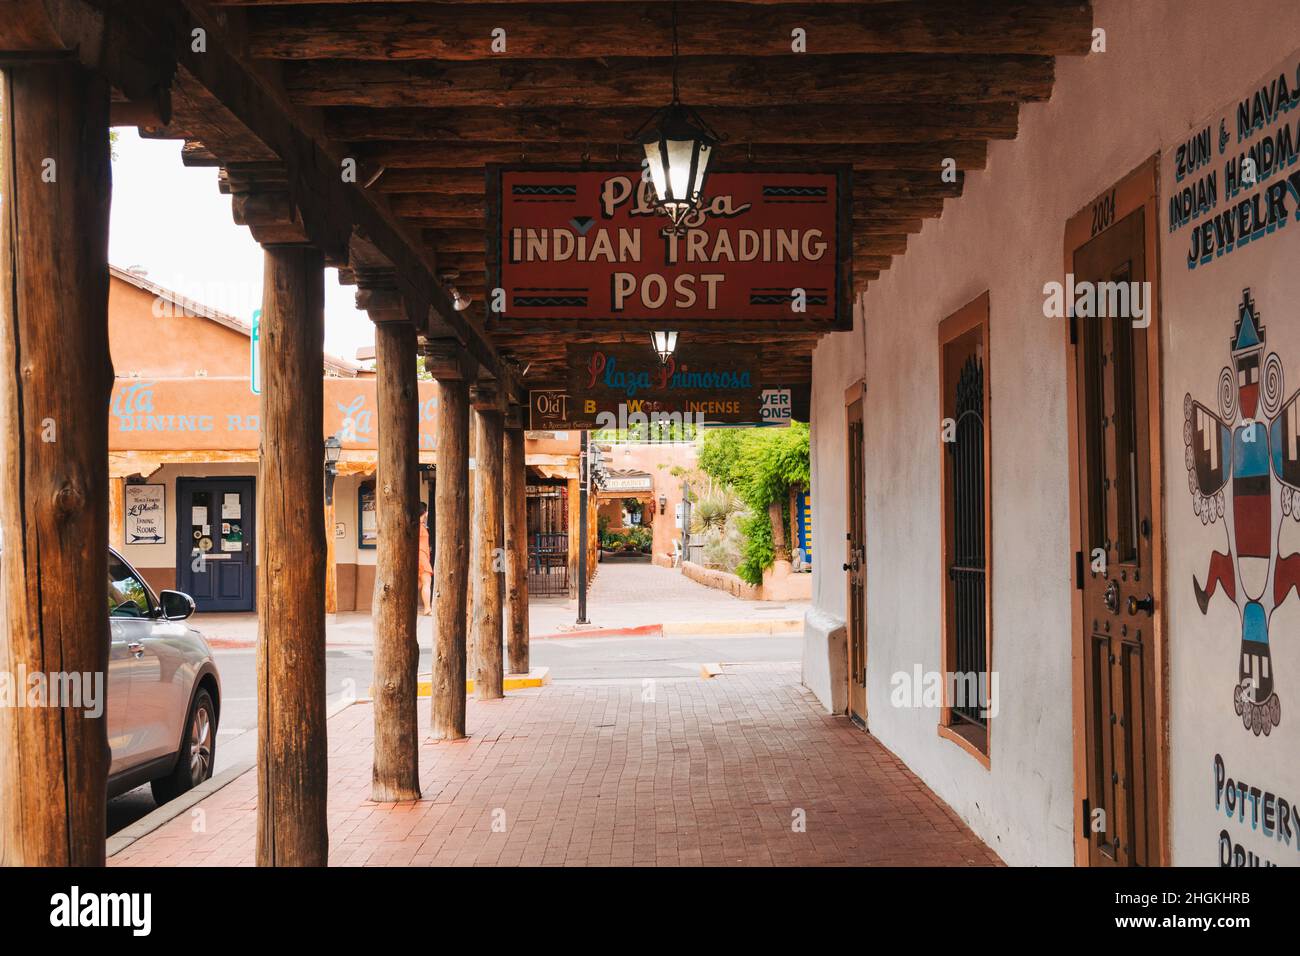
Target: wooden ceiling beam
{"points": [[432, 180], [887, 217], [332, 209], [405, 185], [734, 81], [467, 194], [587, 30], [456, 239], [503, 3], [811, 124], [392, 155], [879, 246], [443, 205]]}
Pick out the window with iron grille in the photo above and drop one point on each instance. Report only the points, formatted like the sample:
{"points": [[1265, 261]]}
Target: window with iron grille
{"points": [[963, 353]]}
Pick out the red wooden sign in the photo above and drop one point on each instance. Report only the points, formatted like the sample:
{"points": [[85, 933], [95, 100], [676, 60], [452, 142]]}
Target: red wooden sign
{"points": [[585, 249]]}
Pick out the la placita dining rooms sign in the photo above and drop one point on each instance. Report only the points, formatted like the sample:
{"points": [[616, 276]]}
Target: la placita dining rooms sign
{"points": [[585, 249]]}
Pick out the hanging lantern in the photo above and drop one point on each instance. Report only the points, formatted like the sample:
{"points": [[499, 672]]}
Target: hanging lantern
{"points": [[678, 145], [665, 344]]}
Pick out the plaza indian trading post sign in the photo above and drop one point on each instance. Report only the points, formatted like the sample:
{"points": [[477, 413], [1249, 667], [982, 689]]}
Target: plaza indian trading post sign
{"points": [[584, 249]]}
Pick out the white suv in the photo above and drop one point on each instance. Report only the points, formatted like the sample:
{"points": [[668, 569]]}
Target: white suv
{"points": [[163, 689]]}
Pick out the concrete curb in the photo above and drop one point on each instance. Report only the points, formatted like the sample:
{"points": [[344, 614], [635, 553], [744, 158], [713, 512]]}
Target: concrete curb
{"points": [[787, 626], [123, 838]]}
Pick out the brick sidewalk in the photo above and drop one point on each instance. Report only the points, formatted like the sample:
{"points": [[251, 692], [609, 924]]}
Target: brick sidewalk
{"points": [[709, 772]]}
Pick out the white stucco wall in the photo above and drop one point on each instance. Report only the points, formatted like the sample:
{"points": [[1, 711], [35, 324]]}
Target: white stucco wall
{"points": [[837, 364], [1167, 66], [1201, 309]]}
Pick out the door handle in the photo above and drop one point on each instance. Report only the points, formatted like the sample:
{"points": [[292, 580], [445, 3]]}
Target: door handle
{"points": [[1147, 604], [136, 648]]}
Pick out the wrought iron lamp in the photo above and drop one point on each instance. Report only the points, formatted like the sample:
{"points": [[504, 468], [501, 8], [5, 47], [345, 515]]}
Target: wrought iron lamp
{"points": [[665, 344], [678, 146], [333, 451]]}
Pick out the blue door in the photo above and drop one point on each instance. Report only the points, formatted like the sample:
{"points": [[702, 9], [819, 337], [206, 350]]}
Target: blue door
{"points": [[215, 527]]}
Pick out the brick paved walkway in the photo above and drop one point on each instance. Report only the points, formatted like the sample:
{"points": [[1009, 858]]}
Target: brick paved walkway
{"points": [[626, 594], [707, 772]]}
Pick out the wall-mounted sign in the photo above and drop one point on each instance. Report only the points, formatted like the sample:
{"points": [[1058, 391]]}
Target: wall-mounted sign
{"points": [[255, 355], [1231, 181], [698, 384], [585, 249], [777, 407], [146, 514], [221, 413], [549, 410], [628, 483]]}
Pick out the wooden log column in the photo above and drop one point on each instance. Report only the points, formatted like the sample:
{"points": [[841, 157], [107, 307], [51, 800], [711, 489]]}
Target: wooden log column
{"points": [[396, 772], [451, 535], [291, 745], [54, 393], [515, 506], [486, 553], [331, 563]]}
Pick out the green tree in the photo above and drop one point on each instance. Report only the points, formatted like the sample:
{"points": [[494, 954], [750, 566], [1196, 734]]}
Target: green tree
{"points": [[761, 465]]}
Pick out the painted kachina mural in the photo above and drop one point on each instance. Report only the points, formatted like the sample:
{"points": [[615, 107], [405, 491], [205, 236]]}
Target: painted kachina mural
{"points": [[1243, 470]]}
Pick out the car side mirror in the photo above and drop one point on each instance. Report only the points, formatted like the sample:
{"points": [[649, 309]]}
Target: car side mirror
{"points": [[176, 605]]}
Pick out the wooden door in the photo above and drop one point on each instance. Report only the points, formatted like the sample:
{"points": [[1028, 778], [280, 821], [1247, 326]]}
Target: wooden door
{"points": [[855, 566], [215, 549], [1114, 568]]}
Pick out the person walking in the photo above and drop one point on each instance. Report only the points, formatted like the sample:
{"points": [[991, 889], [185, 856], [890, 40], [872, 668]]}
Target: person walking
{"points": [[426, 563]]}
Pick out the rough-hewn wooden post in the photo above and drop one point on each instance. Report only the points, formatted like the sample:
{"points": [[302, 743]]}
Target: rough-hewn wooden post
{"points": [[54, 391], [116, 512], [331, 565], [396, 774], [487, 569], [451, 540], [291, 747], [514, 484]]}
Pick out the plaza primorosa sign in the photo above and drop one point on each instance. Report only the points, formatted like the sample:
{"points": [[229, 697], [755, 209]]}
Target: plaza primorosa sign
{"points": [[586, 249], [698, 384]]}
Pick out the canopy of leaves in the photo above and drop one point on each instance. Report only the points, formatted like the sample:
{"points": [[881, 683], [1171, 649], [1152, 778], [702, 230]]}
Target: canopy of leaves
{"points": [[760, 465]]}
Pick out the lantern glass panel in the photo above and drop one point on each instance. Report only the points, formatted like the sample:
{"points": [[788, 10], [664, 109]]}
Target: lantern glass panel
{"points": [[681, 152], [655, 164]]}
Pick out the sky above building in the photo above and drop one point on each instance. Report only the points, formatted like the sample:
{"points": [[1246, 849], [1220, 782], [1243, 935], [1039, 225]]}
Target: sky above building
{"points": [[172, 222]]}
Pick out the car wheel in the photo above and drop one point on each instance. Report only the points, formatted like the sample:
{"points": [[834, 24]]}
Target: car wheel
{"points": [[198, 750]]}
